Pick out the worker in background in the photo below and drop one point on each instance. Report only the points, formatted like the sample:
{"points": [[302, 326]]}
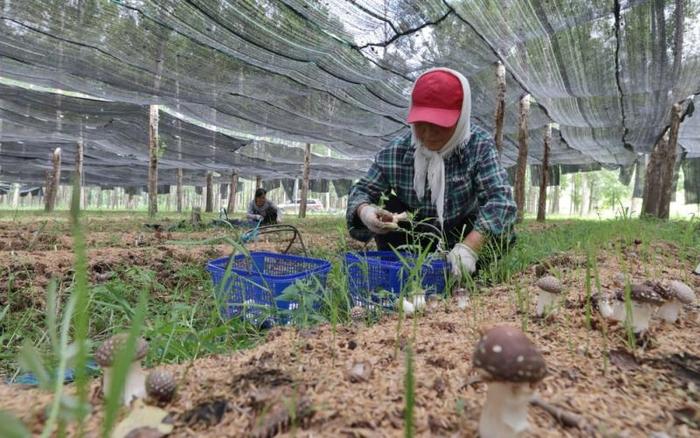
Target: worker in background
{"points": [[261, 209], [446, 172]]}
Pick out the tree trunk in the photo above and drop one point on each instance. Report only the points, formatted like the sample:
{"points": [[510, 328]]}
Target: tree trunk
{"points": [[53, 181], [232, 193], [582, 199], [305, 183], [658, 186], [153, 163], [500, 106], [522, 157], [542, 204], [258, 182], [178, 190], [15, 197], [209, 207], [591, 194], [115, 201]]}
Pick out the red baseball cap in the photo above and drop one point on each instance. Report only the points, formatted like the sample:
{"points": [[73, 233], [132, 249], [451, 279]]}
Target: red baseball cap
{"points": [[437, 98]]}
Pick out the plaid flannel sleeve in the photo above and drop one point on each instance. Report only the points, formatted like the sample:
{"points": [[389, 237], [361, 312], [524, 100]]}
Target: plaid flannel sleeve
{"points": [[497, 209], [367, 190]]}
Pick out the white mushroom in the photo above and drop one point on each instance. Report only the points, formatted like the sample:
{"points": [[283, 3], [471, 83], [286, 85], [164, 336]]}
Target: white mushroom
{"points": [[462, 298], [609, 307], [512, 366], [677, 294], [105, 355], [414, 303], [550, 288], [393, 224]]}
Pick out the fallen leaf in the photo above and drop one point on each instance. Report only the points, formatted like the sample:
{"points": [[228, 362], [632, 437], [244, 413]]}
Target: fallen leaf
{"points": [[143, 416], [623, 359]]}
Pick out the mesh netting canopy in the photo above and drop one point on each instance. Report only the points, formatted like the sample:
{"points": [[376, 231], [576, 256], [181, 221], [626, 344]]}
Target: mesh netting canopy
{"points": [[339, 72]]}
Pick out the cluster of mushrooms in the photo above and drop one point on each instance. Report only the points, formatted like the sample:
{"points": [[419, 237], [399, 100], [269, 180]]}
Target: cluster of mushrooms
{"points": [[158, 385], [665, 297]]}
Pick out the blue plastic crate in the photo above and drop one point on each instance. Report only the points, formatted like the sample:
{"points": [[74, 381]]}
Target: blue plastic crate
{"points": [[258, 278], [377, 277]]}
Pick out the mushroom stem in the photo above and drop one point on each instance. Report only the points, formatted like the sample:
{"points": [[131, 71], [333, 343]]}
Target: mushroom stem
{"points": [[606, 309], [462, 302], [545, 302], [505, 411], [669, 312], [135, 384], [641, 315], [618, 309]]}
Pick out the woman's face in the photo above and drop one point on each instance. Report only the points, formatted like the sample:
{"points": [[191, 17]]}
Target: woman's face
{"points": [[260, 201], [433, 137]]}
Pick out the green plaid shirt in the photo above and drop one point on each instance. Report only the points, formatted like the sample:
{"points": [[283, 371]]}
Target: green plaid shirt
{"points": [[476, 187]]}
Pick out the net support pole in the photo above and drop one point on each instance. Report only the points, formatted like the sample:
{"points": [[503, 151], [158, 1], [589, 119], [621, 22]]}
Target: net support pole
{"points": [[305, 181], [178, 190], [53, 181], [232, 193], [500, 106], [522, 156], [542, 202], [153, 161], [79, 154], [209, 206], [658, 187]]}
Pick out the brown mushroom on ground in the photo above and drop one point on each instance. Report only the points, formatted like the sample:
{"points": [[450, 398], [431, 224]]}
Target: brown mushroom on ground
{"points": [[550, 288], [511, 365], [676, 294], [161, 386], [432, 303], [105, 355], [644, 300], [358, 314]]}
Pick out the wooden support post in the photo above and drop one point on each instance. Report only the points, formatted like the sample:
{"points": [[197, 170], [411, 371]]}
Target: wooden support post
{"points": [[178, 190], [53, 181], [232, 193], [542, 203], [258, 182], [500, 106], [153, 144], [209, 207], [658, 186], [15, 197], [522, 156], [79, 154], [305, 183]]}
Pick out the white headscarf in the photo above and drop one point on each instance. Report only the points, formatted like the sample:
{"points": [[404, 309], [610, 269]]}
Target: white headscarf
{"points": [[432, 163]]}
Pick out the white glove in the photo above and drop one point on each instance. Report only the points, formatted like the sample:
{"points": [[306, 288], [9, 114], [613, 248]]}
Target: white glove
{"points": [[377, 220], [463, 260], [257, 217]]}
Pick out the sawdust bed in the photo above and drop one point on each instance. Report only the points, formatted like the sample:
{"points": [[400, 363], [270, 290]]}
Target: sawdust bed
{"points": [[591, 371]]}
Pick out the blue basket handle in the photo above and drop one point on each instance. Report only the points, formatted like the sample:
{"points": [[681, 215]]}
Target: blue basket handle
{"points": [[251, 234]]}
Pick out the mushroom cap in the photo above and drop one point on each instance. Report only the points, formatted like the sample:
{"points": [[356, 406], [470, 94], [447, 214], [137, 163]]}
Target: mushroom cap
{"points": [[160, 385], [642, 293], [506, 354], [549, 284], [107, 352], [357, 313], [681, 291]]}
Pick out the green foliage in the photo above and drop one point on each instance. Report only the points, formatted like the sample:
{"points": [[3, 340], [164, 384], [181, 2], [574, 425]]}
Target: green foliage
{"points": [[409, 395], [10, 427]]}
